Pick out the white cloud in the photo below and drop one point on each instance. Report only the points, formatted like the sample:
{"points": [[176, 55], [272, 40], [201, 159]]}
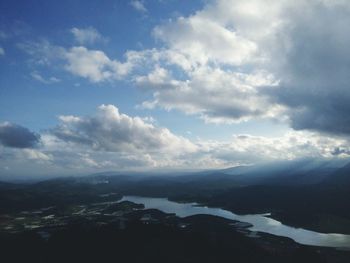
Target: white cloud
{"points": [[139, 6], [2, 51], [212, 93], [211, 68], [35, 75], [110, 140], [292, 145], [112, 131], [94, 65], [91, 64], [87, 35], [202, 40]]}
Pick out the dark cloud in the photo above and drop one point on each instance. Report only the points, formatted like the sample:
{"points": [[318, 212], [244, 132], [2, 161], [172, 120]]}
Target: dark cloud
{"points": [[339, 151], [16, 136], [315, 74]]}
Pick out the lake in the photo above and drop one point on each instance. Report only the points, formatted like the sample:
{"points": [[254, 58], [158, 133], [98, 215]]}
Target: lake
{"points": [[260, 222]]}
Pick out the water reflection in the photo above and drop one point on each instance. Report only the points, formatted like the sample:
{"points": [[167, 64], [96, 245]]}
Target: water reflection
{"points": [[260, 222]]}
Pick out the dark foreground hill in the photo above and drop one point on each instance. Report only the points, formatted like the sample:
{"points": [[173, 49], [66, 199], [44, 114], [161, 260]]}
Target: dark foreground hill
{"points": [[206, 239]]}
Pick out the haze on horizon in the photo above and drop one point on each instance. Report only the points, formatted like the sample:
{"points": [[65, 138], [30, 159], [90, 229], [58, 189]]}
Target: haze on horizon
{"points": [[171, 85]]}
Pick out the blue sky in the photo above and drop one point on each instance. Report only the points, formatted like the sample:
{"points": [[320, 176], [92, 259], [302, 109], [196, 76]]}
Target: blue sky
{"points": [[170, 84], [123, 28]]}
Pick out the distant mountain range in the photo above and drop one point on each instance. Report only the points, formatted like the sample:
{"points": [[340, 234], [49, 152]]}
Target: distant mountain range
{"points": [[295, 172], [305, 171]]}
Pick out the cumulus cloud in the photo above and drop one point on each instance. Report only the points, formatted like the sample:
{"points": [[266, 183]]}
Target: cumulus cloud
{"points": [[73, 152], [214, 94], [111, 138], [16, 136], [95, 65], [210, 68], [203, 40], [87, 35], [110, 130]]}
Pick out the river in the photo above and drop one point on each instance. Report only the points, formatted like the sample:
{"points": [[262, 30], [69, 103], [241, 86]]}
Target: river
{"points": [[260, 222]]}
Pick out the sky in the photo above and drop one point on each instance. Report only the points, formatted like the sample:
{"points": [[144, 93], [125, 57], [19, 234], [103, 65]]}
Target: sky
{"points": [[146, 85]]}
